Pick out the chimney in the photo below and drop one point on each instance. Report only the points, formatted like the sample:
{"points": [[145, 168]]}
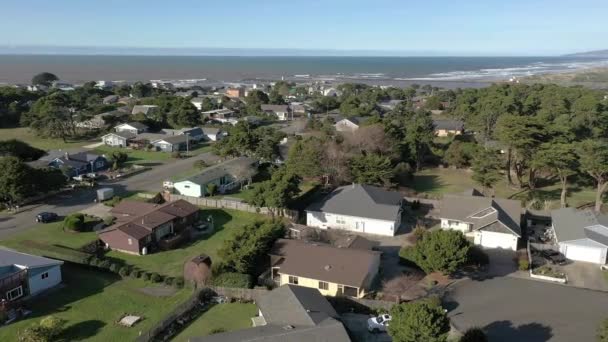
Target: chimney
{"points": [[67, 156]]}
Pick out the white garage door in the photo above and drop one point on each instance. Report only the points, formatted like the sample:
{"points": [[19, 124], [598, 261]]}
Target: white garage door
{"points": [[584, 253], [496, 240]]}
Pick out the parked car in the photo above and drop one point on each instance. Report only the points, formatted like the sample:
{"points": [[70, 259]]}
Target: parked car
{"points": [[555, 257], [45, 217], [379, 323]]}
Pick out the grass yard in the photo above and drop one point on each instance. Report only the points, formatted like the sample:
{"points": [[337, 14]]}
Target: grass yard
{"points": [[92, 302], [224, 317], [171, 262], [439, 181], [48, 233], [30, 137], [135, 156]]}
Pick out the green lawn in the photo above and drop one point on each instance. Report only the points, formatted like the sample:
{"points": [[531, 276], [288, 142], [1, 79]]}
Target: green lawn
{"points": [[445, 181], [225, 317], [135, 156], [171, 262], [30, 137], [48, 233], [92, 302]]}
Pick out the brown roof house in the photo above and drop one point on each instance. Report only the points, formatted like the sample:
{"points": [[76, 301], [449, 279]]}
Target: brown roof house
{"points": [[143, 227], [492, 222], [332, 270]]}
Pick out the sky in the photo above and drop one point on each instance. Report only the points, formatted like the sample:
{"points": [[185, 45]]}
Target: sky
{"points": [[405, 27]]}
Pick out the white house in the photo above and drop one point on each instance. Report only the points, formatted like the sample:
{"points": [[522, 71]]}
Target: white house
{"points": [[23, 275], [582, 235], [358, 208], [212, 133], [491, 222], [226, 176], [349, 124], [118, 139], [131, 127], [282, 112], [147, 110]]}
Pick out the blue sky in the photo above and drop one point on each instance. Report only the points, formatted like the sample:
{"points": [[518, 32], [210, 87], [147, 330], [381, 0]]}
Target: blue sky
{"points": [[421, 27]]}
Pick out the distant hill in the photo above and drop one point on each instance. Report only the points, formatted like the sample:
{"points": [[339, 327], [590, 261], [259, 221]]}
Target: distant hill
{"points": [[596, 54]]}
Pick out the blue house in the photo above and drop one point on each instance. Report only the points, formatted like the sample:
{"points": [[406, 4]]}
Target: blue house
{"points": [[23, 275], [80, 163]]}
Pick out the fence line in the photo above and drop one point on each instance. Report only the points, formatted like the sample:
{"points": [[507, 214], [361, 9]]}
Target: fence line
{"points": [[240, 293], [236, 205]]}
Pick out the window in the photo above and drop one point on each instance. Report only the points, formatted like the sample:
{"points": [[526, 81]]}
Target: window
{"points": [[130, 241], [187, 186], [323, 285], [44, 275], [340, 220], [484, 213], [14, 293], [293, 280]]}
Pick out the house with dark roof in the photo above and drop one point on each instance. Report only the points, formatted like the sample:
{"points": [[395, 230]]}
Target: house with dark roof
{"points": [[444, 128], [146, 110], [141, 227], [226, 176], [173, 143], [23, 275], [358, 208], [287, 314], [79, 163], [492, 222], [350, 124], [582, 235], [282, 112], [334, 271], [118, 139]]}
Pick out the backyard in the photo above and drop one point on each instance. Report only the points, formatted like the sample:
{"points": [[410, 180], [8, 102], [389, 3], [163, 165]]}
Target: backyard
{"points": [[92, 302], [139, 156], [30, 137], [439, 181], [48, 233], [220, 318]]}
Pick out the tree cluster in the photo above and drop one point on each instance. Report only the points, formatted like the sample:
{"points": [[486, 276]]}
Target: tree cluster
{"points": [[422, 320], [19, 181], [245, 140], [438, 251]]}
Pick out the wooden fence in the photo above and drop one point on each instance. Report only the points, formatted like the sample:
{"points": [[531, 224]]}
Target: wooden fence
{"points": [[239, 293], [235, 205]]}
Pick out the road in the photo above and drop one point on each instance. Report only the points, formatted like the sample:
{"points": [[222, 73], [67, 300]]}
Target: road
{"points": [[77, 200], [512, 309]]}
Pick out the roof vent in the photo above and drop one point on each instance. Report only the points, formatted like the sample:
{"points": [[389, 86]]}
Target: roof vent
{"points": [[327, 267], [288, 327]]}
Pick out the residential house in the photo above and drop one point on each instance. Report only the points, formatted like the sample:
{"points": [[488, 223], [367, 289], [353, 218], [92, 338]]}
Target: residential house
{"points": [[331, 92], [96, 122], [235, 92], [62, 85], [298, 108], [131, 127], [332, 270], [358, 208], [288, 314], [390, 104], [491, 222], [110, 99], [23, 275], [143, 227], [350, 124], [221, 115], [172, 143], [102, 84], [212, 133], [443, 128], [227, 176], [147, 110], [118, 139], [79, 163], [581, 235], [282, 112]]}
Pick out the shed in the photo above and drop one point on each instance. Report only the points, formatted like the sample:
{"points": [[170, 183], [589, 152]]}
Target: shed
{"points": [[198, 270]]}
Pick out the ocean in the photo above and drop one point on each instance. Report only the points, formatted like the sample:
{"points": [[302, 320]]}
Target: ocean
{"points": [[186, 70]]}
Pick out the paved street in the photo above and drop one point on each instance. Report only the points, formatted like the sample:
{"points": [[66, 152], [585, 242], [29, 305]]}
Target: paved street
{"points": [[70, 202], [511, 309]]}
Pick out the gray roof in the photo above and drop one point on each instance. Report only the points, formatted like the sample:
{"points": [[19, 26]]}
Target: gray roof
{"points": [[449, 125], [136, 124], [10, 258], [571, 224], [485, 213], [275, 108], [211, 130], [361, 201], [173, 139], [123, 134], [220, 170]]}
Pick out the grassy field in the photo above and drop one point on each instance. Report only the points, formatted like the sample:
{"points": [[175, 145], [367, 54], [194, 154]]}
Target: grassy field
{"points": [[92, 302], [30, 137], [224, 317], [49, 233], [445, 181], [140, 156], [171, 262]]}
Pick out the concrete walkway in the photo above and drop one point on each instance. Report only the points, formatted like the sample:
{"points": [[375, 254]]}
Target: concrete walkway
{"points": [[91, 146]]}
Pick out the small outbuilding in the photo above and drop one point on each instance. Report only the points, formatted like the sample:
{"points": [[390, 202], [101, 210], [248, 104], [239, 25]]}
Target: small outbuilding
{"points": [[198, 269]]}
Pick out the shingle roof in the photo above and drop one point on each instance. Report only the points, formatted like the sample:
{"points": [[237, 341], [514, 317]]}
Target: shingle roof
{"points": [[219, 170], [571, 224], [173, 139], [10, 258], [344, 266], [275, 108], [123, 134], [179, 208], [483, 212], [449, 125], [361, 201], [132, 208]]}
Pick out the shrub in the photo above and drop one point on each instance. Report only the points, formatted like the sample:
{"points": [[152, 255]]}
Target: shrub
{"points": [[217, 331], [176, 154], [146, 276], [135, 274], [74, 222], [422, 320], [114, 267], [168, 281], [474, 335], [441, 250], [94, 261], [478, 257], [105, 264], [178, 282], [523, 264], [231, 279], [124, 271], [113, 201], [602, 331], [108, 220], [52, 325], [155, 277]]}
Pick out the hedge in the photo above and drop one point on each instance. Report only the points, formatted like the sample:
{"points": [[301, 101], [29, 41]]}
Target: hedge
{"points": [[231, 279]]}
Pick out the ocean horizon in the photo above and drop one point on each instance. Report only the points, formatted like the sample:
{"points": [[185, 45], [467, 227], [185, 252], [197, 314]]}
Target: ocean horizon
{"points": [[188, 70]]}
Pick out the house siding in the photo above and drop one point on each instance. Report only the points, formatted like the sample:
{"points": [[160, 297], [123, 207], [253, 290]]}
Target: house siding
{"points": [[332, 288], [37, 284], [118, 240], [351, 223], [495, 240], [114, 140]]}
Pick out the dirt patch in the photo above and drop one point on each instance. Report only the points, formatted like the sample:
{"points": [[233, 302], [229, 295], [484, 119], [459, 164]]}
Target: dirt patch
{"points": [[159, 291]]}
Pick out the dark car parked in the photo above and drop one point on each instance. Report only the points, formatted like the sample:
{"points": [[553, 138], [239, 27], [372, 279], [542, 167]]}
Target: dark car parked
{"points": [[555, 257], [45, 217]]}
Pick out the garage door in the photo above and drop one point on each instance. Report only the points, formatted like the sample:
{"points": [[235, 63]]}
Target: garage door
{"points": [[496, 240], [584, 253]]}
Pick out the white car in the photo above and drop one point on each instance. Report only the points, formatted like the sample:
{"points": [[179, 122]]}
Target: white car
{"points": [[379, 323]]}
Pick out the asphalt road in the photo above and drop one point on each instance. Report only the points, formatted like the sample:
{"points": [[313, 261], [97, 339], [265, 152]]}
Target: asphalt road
{"points": [[511, 309], [77, 200]]}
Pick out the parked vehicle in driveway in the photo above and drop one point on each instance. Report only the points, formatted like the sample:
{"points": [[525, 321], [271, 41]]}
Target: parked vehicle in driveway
{"points": [[379, 323], [555, 257], [45, 217]]}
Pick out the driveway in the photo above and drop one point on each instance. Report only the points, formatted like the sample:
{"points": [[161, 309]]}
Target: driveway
{"points": [[78, 200], [585, 275], [512, 309], [356, 324]]}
